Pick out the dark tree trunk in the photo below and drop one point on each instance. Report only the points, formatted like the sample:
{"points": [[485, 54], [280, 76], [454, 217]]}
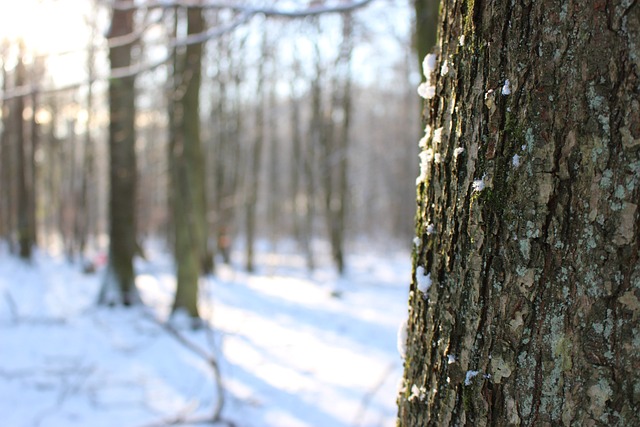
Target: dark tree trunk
{"points": [[426, 26], [119, 283], [525, 300], [25, 233]]}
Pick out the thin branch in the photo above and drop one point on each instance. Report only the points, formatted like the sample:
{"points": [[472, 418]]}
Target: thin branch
{"points": [[254, 10], [199, 351], [134, 70]]}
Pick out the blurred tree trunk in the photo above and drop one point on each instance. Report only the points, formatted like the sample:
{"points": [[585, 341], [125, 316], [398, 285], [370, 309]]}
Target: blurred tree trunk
{"points": [[296, 150], [188, 184], [426, 31], [255, 164], [225, 151], [85, 220], [25, 232], [525, 298], [6, 158], [119, 282], [337, 203], [274, 200]]}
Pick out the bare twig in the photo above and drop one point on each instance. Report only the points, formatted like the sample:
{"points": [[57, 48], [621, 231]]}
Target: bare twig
{"points": [[209, 358]]}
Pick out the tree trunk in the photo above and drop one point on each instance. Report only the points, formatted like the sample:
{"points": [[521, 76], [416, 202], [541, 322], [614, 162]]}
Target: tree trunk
{"points": [[526, 290], [255, 164], [119, 285], [6, 158], [25, 232], [188, 183]]}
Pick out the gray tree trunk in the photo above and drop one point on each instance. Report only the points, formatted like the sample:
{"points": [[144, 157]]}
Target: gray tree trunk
{"points": [[119, 285], [526, 290]]}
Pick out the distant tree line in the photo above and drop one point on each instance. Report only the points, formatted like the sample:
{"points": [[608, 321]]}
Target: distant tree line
{"points": [[250, 126]]}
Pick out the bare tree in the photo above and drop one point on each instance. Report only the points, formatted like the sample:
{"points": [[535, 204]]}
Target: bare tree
{"points": [[119, 283], [187, 172]]}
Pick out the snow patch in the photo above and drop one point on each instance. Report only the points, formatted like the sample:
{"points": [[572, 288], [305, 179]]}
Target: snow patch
{"points": [[470, 375], [424, 281], [402, 339], [478, 185]]}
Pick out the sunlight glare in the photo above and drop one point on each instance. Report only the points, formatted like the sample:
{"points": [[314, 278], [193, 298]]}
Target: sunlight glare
{"points": [[45, 26]]}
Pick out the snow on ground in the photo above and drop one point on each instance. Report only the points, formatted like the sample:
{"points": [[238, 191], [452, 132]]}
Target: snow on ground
{"points": [[291, 352]]}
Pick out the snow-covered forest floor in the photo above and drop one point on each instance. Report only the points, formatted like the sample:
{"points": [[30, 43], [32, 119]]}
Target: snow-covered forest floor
{"points": [[291, 352]]}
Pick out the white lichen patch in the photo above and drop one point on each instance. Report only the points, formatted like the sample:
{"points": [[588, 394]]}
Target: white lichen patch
{"points": [[458, 151]]}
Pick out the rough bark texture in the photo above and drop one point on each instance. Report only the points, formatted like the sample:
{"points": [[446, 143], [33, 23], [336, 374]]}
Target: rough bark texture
{"points": [[119, 285], [532, 313]]}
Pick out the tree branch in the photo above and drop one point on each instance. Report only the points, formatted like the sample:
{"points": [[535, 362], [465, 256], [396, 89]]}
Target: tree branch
{"points": [[254, 10]]}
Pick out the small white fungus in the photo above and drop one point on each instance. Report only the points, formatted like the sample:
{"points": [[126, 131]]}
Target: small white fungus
{"points": [[426, 157], [437, 158], [437, 136], [458, 151], [428, 65], [451, 359], [426, 91], [461, 41], [424, 282], [469, 377], [515, 161], [431, 229], [423, 141], [416, 241], [506, 88], [444, 70]]}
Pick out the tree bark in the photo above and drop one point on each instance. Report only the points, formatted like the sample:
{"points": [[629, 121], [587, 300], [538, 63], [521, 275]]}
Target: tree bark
{"points": [[188, 183], [526, 285], [119, 283]]}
